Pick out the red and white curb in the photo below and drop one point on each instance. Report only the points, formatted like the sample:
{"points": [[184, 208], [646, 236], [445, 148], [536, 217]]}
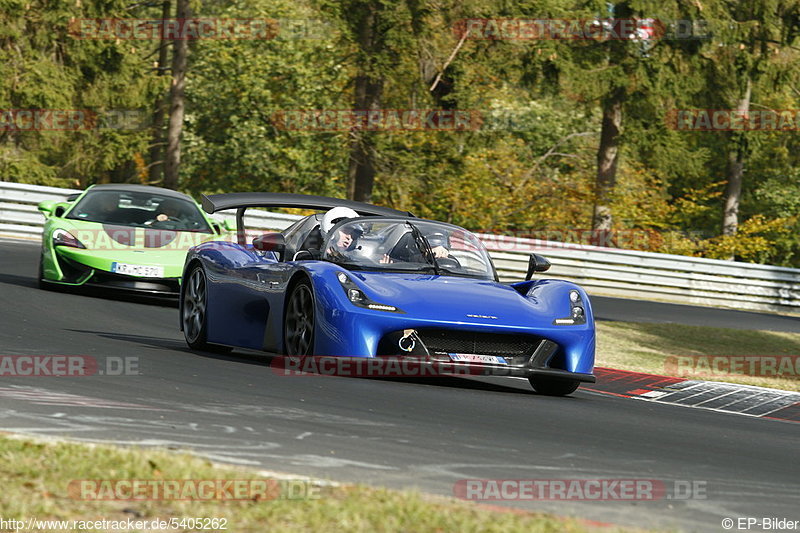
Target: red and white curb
{"points": [[745, 400]]}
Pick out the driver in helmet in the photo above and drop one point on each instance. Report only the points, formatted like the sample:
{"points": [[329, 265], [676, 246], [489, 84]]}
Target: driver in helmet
{"points": [[345, 238], [313, 241]]}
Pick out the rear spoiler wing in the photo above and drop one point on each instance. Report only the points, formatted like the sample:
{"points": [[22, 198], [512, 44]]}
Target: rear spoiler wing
{"points": [[242, 200]]}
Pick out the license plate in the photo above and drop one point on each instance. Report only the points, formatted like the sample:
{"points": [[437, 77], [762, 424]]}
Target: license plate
{"points": [[476, 358], [138, 270]]}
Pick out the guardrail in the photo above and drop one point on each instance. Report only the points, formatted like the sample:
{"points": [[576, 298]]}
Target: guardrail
{"points": [[607, 271]]}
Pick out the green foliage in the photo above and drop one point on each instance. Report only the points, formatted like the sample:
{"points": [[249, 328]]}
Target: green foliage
{"points": [[530, 167], [757, 238], [236, 88], [44, 66]]}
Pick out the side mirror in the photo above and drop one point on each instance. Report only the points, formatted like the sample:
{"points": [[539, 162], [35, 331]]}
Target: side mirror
{"points": [[536, 263], [270, 242], [229, 225], [59, 210], [46, 208]]}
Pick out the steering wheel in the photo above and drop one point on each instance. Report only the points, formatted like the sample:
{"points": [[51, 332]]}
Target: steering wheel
{"points": [[448, 262]]}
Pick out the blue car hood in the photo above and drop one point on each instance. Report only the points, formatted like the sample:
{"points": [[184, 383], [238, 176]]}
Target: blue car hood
{"points": [[454, 299]]}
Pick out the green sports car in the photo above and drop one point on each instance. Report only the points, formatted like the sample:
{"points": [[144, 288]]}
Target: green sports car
{"points": [[129, 237]]}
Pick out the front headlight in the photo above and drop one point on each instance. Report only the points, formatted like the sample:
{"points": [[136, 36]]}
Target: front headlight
{"points": [[358, 298], [64, 238], [577, 311]]}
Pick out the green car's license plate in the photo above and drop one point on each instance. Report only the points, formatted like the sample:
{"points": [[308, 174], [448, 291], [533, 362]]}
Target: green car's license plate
{"points": [[137, 270]]}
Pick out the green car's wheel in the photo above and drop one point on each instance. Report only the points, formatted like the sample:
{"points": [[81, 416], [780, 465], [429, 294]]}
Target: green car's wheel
{"points": [[194, 318], [298, 324], [553, 387]]}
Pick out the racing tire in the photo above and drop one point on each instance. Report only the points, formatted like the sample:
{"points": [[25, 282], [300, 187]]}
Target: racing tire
{"points": [[299, 321], [553, 387], [194, 317]]}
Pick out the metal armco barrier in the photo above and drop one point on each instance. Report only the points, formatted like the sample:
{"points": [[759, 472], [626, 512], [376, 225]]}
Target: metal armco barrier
{"points": [[607, 271]]}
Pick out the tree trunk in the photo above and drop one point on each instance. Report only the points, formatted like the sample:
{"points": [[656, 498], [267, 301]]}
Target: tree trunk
{"points": [[156, 170], [735, 171], [179, 53], [368, 92], [607, 158], [361, 171]]}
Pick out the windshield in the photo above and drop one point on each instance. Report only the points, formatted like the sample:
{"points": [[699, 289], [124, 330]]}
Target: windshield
{"points": [[407, 245], [140, 209]]}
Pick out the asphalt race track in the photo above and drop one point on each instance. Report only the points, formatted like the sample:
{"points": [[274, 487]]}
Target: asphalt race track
{"points": [[422, 433], [625, 310]]}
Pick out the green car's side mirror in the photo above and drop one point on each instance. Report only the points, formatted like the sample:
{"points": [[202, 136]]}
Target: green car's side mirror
{"points": [[47, 207], [51, 208], [229, 225]]}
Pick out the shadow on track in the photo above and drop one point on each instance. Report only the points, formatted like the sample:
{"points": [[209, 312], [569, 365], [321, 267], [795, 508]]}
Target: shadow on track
{"points": [[22, 281], [156, 342], [252, 357], [176, 345], [110, 294], [458, 383]]}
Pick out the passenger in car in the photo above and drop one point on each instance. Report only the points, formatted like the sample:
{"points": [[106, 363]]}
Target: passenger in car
{"points": [[104, 207], [407, 251]]}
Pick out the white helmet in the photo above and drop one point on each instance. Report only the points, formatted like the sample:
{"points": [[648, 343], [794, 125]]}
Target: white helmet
{"points": [[335, 215]]}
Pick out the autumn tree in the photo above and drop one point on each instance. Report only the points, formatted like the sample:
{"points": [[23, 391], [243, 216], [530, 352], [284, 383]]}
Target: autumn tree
{"points": [[747, 60], [180, 50]]}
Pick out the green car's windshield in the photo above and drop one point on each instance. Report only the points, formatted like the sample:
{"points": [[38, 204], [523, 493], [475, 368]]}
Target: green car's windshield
{"points": [[407, 245], [139, 209]]}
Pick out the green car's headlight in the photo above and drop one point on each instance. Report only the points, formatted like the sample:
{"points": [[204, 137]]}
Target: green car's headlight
{"points": [[64, 238]]}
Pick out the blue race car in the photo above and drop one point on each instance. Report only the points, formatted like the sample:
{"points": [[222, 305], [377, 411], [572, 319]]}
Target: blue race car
{"points": [[371, 282]]}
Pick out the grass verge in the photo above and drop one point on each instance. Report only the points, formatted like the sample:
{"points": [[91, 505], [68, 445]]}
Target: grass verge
{"points": [[646, 348], [37, 478]]}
